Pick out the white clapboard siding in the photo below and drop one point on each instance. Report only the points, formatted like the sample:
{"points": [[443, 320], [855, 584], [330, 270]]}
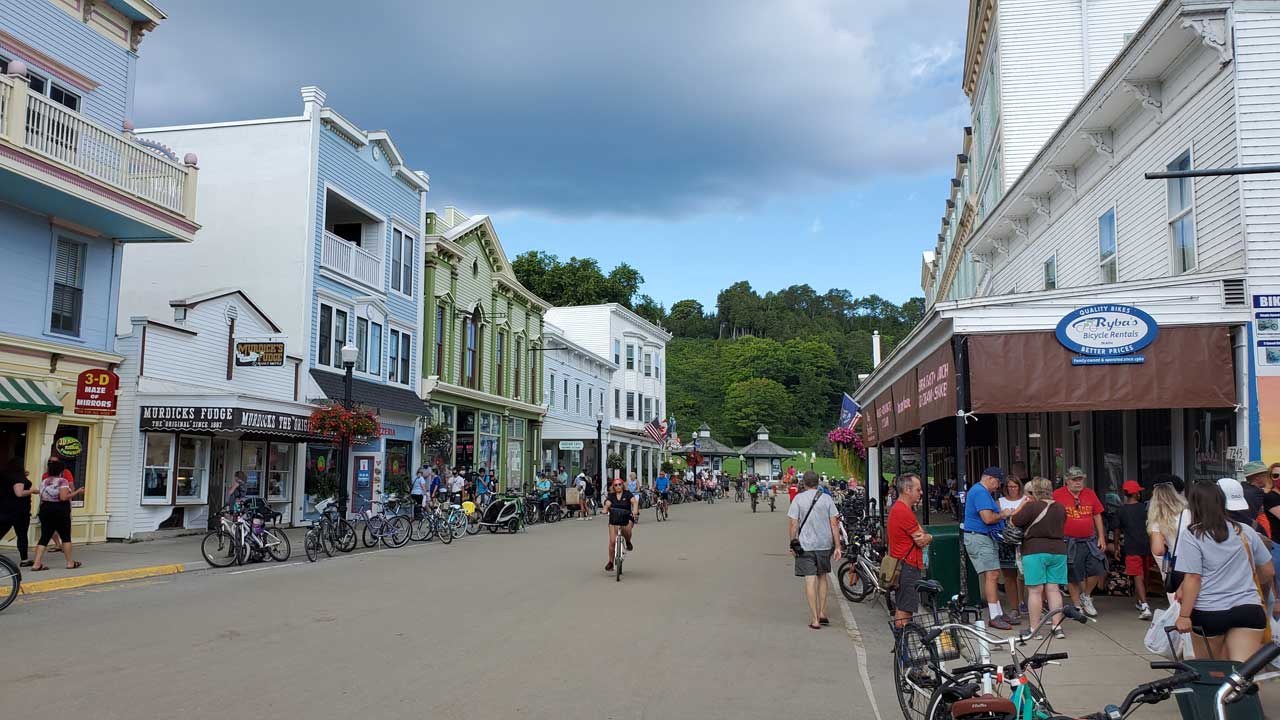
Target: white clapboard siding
{"points": [[1201, 116], [1257, 65], [1107, 24], [124, 471]]}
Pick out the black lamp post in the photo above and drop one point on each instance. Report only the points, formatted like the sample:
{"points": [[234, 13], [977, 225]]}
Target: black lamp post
{"points": [[349, 353], [600, 445]]}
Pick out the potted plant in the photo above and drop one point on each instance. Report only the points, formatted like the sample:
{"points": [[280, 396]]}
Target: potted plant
{"points": [[850, 451], [355, 425]]}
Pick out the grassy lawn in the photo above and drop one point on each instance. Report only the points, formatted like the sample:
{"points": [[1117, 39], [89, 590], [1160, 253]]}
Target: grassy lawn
{"points": [[827, 465]]}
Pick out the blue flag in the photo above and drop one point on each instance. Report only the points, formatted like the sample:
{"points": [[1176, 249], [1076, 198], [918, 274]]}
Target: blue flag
{"points": [[850, 411]]}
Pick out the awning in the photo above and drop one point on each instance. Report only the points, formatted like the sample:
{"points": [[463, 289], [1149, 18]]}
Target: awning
{"points": [[28, 395], [373, 395]]}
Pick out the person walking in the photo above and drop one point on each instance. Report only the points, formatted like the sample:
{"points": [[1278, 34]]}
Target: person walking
{"points": [[1086, 539], [1167, 514], [907, 541], [1011, 501], [15, 506], [582, 483], [1135, 544], [1268, 480], [1044, 553], [983, 522], [418, 492], [1225, 566], [814, 544], [57, 490]]}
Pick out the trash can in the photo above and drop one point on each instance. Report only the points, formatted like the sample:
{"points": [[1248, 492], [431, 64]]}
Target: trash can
{"points": [[1196, 701], [942, 559]]}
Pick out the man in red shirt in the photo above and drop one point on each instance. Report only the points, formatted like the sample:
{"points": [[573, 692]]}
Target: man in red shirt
{"points": [[907, 542], [1086, 539]]}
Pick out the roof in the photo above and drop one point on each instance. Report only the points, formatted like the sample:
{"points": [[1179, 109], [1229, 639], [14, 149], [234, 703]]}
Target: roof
{"points": [[621, 310], [766, 449], [374, 395], [192, 301], [707, 447]]}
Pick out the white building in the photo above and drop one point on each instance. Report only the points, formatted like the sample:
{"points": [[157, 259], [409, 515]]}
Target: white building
{"points": [[577, 382], [1077, 226], [638, 390]]}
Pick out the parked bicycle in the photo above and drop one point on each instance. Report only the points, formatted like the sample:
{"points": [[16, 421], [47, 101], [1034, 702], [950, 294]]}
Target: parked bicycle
{"points": [[10, 581], [391, 530]]}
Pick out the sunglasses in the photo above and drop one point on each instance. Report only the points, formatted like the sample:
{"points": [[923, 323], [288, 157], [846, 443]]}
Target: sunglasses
{"points": [[1275, 474]]}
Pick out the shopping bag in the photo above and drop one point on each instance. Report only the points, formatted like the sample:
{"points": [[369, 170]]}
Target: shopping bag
{"points": [[1172, 644]]}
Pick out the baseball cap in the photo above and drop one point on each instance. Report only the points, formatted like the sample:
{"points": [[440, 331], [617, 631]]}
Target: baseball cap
{"points": [[1074, 471], [1131, 487], [994, 472], [1235, 494], [1253, 468]]}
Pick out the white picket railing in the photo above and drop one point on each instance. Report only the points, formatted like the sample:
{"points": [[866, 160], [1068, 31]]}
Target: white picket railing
{"points": [[347, 258], [5, 91]]}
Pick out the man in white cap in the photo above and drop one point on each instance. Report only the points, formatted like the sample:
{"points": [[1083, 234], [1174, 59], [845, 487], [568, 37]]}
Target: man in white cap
{"points": [[1237, 506]]}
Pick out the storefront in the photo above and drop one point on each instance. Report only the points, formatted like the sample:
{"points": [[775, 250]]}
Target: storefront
{"points": [[500, 440]]}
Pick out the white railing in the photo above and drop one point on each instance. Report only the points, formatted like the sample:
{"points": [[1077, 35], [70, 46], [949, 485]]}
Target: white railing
{"points": [[347, 258], [83, 145]]}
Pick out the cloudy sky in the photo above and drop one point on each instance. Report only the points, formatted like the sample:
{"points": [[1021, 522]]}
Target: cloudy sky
{"points": [[702, 141]]}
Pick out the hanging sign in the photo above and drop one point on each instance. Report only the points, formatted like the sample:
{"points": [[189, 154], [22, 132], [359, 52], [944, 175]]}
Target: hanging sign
{"points": [[1107, 334], [96, 392], [259, 353], [571, 445]]}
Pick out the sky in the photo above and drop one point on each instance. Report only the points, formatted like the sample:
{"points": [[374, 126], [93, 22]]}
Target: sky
{"points": [[703, 142]]}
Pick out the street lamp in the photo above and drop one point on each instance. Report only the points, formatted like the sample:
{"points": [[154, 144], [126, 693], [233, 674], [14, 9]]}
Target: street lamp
{"points": [[600, 445], [348, 355]]}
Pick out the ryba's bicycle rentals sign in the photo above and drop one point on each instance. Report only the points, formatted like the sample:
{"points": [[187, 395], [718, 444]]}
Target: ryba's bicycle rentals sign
{"points": [[1107, 334]]}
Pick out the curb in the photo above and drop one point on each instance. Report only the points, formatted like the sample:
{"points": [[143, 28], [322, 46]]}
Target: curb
{"points": [[79, 581]]}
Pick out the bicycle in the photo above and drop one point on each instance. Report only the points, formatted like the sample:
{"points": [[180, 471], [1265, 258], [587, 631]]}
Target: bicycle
{"points": [[432, 523], [660, 509], [392, 531], [313, 542], [739, 495], [1149, 693], [10, 581], [619, 552], [859, 574], [1243, 680]]}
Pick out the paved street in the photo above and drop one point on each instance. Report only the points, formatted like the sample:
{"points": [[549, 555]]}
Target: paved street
{"points": [[707, 623]]}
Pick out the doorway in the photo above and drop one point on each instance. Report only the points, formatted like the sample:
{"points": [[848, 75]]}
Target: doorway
{"points": [[13, 442], [362, 479], [217, 479]]}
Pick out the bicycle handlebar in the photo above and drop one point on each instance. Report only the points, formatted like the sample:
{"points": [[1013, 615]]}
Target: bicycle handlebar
{"points": [[1257, 661], [1039, 660], [1155, 689]]}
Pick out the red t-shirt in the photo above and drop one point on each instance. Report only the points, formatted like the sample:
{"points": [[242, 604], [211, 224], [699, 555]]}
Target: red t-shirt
{"points": [[1080, 511], [902, 524], [791, 492]]}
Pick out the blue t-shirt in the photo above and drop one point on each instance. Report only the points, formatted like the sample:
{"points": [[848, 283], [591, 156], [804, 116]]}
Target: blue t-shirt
{"points": [[663, 482], [435, 484], [979, 498], [482, 484]]}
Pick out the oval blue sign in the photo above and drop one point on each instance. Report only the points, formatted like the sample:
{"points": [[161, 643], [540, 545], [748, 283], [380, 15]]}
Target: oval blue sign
{"points": [[1107, 330]]}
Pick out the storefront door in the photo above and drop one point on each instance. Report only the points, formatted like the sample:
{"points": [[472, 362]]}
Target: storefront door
{"points": [[217, 479], [13, 442], [362, 481]]}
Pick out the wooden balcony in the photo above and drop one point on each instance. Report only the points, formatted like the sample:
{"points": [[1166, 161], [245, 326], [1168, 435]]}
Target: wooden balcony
{"points": [[351, 260]]}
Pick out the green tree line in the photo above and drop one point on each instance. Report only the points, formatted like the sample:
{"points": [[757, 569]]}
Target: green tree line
{"points": [[781, 359]]}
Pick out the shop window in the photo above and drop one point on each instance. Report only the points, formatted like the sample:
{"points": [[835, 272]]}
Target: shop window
{"points": [[193, 469], [1208, 435], [1182, 230], [158, 458], [253, 463], [280, 472], [399, 468], [321, 479], [68, 288], [71, 443], [1155, 432], [1108, 447]]}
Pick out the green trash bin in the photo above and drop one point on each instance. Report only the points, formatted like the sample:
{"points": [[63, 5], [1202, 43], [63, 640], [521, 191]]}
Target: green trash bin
{"points": [[942, 559], [1196, 701]]}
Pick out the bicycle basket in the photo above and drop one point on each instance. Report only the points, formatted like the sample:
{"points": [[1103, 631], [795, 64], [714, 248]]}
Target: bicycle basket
{"points": [[948, 645]]}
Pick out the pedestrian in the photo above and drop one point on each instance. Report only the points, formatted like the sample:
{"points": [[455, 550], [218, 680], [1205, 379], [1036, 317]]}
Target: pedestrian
{"points": [[57, 490], [456, 486], [1135, 543], [484, 487], [1225, 566], [1044, 553], [907, 541], [1167, 514], [15, 506], [1239, 507], [1259, 485], [1010, 502], [418, 492], [814, 544], [1271, 512], [582, 483], [792, 490], [1086, 539], [983, 522]]}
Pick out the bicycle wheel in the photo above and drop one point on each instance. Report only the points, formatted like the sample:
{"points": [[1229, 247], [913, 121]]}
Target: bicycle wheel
{"points": [[554, 513], [277, 543], [311, 544], [442, 530], [852, 585], [473, 523], [420, 529], [915, 672], [218, 549], [396, 532], [10, 581], [530, 514], [617, 557], [344, 537], [373, 529], [457, 524]]}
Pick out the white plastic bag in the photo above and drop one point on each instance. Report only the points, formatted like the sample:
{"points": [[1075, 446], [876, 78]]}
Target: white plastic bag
{"points": [[1157, 640]]}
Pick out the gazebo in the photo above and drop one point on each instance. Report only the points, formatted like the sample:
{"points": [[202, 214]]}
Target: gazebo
{"points": [[764, 457], [712, 451]]}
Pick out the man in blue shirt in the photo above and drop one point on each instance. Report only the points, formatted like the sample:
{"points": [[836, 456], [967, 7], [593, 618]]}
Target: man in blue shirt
{"points": [[483, 487], [661, 486], [435, 483], [983, 523]]}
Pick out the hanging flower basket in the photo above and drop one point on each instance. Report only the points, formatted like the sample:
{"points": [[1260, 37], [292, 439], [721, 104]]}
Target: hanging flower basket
{"points": [[355, 425], [694, 459], [850, 451]]}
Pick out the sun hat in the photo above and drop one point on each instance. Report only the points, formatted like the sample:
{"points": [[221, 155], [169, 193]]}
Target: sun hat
{"points": [[1254, 467], [1131, 487], [1074, 472]]}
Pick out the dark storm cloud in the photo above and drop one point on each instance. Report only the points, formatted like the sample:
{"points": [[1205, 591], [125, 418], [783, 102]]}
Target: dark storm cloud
{"points": [[589, 107]]}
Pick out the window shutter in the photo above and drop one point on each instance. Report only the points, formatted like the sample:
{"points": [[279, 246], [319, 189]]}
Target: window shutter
{"points": [[68, 264]]}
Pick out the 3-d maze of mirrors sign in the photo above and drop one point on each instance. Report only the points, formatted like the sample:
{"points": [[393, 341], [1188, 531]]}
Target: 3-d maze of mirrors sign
{"points": [[1107, 334]]}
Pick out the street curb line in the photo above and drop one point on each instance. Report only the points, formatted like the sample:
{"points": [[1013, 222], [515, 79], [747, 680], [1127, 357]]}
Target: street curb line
{"points": [[851, 627], [79, 581]]}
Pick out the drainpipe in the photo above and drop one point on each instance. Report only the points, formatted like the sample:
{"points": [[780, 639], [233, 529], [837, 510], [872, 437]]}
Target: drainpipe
{"points": [[1240, 348], [875, 349]]}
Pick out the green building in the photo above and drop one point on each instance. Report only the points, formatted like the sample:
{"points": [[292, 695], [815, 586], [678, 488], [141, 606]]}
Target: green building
{"points": [[482, 359]]}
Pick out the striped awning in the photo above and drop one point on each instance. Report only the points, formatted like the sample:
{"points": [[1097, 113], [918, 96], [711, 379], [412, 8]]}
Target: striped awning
{"points": [[29, 395]]}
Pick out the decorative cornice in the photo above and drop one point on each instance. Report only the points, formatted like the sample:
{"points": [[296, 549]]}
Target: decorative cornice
{"points": [[1020, 228], [46, 63], [1040, 203], [1148, 93], [1213, 31], [1066, 176], [1100, 139]]}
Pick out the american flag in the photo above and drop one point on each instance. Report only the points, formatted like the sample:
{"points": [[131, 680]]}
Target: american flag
{"points": [[656, 429]]}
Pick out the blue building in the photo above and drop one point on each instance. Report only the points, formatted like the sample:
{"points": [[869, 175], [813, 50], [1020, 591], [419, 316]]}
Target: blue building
{"points": [[321, 222], [76, 188]]}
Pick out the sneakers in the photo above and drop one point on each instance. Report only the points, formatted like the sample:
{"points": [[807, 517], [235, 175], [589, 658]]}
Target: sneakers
{"points": [[1026, 636], [1144, 611], [1014, 617], [609, 567], [1000, 623], [1058, 634], [1022, 608], [1086, 604], [630, 547]]}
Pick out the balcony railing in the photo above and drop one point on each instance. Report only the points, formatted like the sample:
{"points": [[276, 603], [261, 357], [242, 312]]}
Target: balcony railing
{"points": [[347, 258], [31, 121]]}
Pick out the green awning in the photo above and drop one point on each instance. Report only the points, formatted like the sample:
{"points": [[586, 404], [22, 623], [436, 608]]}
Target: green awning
{"points": [[29, 395]]}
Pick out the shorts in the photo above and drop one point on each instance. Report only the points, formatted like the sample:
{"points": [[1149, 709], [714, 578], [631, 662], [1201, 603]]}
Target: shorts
{"points": [[55, 517], [814, 562], [1084, 559], [1008, 555], [1044, 569], [907, 597], [664, 495], [620, 520], [1215, 623], [1138, 565], [982, 552]]}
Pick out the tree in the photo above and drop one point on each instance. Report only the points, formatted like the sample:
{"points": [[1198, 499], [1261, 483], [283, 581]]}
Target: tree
{"points": [[687, 319], [576, 281], [651, 310], [749, 404]]}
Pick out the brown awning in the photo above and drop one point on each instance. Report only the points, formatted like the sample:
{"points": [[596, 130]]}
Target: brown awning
{"points": [[936, 386], [904, 403], [1186, 367], [882, 411], [869, 435]]}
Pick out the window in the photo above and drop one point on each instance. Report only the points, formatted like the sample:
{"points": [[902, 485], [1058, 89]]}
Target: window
{"points": [[648, 364], [1051, 273], [400, 347], [657, 409], [401, 262], [499, 352], [158, 458], [439, 341], [591, 405], [617, 403], [564, 395], [657, 366], [362, 345], [577, 398], [393, 345], [631, 406], [68, 288], [519, 356], [472, 346], [1107, 246], [279, 471], [1182, 231], [551, 399], [375, 349], [193, 468], [53, 91], [332, 335], [617, 351], [648, 409], [631, 357]]}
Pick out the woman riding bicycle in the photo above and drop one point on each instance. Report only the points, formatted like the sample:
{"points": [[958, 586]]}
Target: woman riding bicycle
{"points": [[622, 507]]}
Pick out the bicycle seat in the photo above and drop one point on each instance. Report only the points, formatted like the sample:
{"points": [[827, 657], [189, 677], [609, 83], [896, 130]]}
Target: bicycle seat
{"points": [[930, 587], [986, 705]]}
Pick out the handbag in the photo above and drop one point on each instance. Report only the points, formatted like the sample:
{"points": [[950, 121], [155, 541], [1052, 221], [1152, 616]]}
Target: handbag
{"points": [[1014, 535], [1174, 577], [890, 571], [1262, 597]]}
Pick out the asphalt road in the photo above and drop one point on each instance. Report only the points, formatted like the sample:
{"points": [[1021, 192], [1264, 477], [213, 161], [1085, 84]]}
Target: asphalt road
{"points": [[707, 623]]}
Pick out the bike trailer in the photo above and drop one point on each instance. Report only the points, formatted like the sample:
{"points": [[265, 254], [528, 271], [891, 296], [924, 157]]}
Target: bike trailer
{"points": [[1196, 700], [499, 511]]}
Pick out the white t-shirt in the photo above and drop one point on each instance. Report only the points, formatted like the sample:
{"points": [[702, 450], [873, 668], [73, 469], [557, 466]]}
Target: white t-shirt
{"points": [[456, 484], [1010, 504]]}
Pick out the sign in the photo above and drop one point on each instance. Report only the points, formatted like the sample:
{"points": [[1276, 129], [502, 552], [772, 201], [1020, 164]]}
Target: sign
{"points": [[571, 445], [96, 392], [934, 396], [1239, 453], [1101, 334], [187, 418], [259, 353], [68, 446]]}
